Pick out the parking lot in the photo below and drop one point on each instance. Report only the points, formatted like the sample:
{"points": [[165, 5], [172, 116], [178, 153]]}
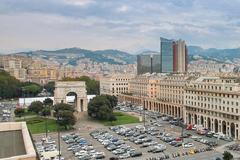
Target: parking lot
{"points": [[7, 111], [125, 147]]}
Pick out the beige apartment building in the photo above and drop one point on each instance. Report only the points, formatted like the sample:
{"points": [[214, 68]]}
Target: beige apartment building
{"points": [[213, 102], [158, 92], [115, 84], [14, 66]]}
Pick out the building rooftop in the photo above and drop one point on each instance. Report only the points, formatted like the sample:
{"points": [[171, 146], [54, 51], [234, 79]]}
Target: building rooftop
{"points": [[11, 144], [16, 143]]}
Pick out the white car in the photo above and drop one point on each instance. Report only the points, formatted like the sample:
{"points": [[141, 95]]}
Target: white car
{"points": [[219, 135], [188, 145]]}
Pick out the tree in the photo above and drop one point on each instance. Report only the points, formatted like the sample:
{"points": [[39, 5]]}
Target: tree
{"points": [[48, 102], [66, 118], [100, 108], [50, 86], [46, 111], [63, 106], [29, 88], [113, 100], [19, 112], [10, 87], [65, 114], [36, 107], [112, 118], [227, 155]]}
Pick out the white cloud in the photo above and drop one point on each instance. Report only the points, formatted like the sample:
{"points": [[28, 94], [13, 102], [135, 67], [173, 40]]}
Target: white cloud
{"points": [[79, 2], [124, 24], [123, 8]]}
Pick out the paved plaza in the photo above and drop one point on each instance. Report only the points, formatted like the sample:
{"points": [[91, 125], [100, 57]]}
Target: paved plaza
{"points": [[84, 126]]}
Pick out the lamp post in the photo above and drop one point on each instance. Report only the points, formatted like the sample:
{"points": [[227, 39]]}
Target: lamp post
{"points": [[46, 124], [23, 95], [182, 125], [144, 117], [45, 113], [59, 144]]}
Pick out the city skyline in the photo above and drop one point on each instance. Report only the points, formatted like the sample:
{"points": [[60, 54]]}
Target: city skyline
{"points": [[126, 25]]}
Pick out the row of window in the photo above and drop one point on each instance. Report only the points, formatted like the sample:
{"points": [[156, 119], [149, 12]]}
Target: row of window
{"points": [[120, 79], [213, 94], [120, 84], [216, 107], [213, 113], [213, 87]]}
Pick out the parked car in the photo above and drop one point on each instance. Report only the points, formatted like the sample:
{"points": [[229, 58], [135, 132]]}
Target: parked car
{"points": [[188, 145], [136, 154]]}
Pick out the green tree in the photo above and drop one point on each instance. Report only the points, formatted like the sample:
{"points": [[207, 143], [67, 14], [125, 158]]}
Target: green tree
{"points": [[36, 107], [46, 111], [31, 89], [10, 87], [227, 155], [65, 114], [50, 86], [100, 108], [112, 118], [66, 118], [19, 112], [113, 100], [63, 106], [48, 102]]}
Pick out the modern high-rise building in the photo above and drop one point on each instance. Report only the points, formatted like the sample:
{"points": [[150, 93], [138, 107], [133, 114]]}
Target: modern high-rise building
{"points": [[149, 63], [173, 56]]}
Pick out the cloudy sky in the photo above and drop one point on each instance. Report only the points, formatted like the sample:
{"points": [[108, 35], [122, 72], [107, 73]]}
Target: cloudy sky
{"points": [[129, 25]]}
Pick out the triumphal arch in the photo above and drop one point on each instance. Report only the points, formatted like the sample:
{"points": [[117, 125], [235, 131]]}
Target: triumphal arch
{"points": [[78, 88]]}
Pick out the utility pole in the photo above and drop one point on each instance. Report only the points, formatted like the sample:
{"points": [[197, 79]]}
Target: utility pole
{"points": [[59, 144], [45, 114], [182, 125]]}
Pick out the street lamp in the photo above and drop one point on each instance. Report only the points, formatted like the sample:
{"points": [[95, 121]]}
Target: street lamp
{"points": [[45, 113], [59, 144], [144, 117], [23, 95]]}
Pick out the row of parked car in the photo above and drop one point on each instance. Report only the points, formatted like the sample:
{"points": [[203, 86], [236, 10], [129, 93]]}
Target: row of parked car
{"points": [[234, 147], [139, 135], [81, 148], [5, 111], [47, 149], [114, 144]]}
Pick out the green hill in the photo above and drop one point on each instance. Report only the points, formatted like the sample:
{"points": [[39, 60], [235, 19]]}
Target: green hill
{"points": [[72, 55]]}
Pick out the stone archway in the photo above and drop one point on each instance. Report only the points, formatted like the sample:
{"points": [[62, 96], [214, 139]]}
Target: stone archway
{"points": [[62, 88]]}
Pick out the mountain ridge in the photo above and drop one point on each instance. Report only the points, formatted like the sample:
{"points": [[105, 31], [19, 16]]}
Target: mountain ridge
{"points": [[74, 54], [113, 56]]}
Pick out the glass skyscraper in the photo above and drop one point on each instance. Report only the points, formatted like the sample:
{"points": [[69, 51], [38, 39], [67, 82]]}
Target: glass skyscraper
{"points": [[166, 55], [149, 63], [143, 64], [173, 56]]}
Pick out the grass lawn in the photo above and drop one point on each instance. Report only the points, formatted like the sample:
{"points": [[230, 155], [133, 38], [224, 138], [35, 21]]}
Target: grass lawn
{"points": [[37, 125], [122, 118]]}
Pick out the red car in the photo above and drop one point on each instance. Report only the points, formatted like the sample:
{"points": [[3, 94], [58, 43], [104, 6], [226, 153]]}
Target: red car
{"points": [[189, 127], [178, 139]]}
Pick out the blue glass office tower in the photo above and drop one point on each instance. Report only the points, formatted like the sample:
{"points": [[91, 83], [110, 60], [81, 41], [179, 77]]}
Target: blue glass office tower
{"points": [[166, 55]]}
